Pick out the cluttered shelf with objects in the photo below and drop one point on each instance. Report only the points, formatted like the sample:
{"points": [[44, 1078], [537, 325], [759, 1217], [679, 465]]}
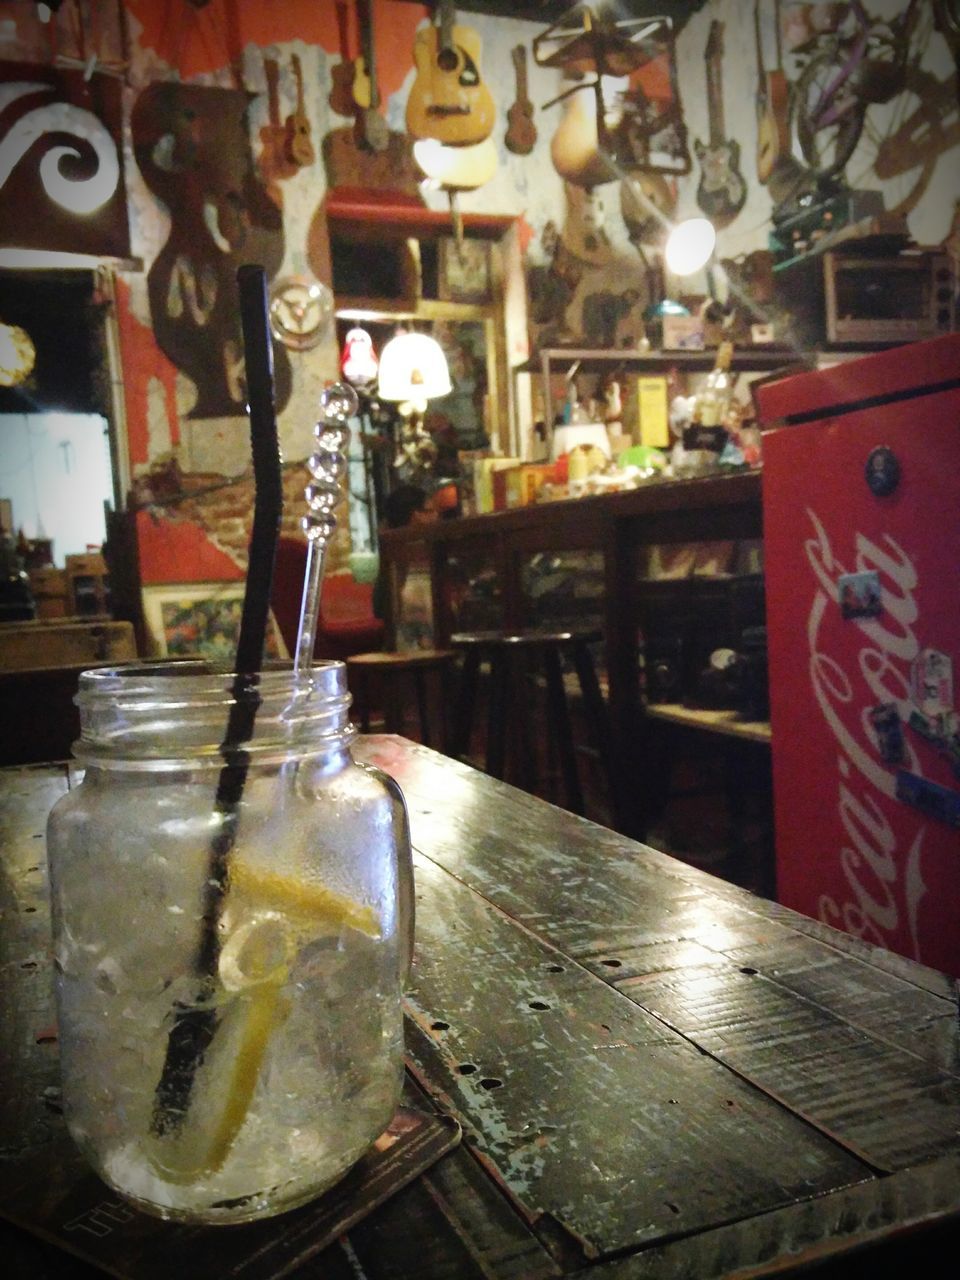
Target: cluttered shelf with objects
{"points": [[608, 362]]}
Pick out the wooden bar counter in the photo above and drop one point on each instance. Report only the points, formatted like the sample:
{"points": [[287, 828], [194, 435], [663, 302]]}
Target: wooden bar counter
{"points": [[490, 571], [657, 1074]]}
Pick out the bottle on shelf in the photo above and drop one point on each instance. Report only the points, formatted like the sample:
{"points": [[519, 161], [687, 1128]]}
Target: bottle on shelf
{"points": [[704, 439], [713, 400]]}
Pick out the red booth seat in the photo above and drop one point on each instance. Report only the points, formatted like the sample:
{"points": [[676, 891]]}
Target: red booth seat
{"points": [[346, 625]]}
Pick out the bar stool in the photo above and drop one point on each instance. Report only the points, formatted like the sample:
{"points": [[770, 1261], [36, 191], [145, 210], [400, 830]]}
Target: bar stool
{"points": [[511, 656], [393, 671]]}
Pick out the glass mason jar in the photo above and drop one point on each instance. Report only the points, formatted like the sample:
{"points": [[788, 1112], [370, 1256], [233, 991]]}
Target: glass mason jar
{"points": [[231, 932]]}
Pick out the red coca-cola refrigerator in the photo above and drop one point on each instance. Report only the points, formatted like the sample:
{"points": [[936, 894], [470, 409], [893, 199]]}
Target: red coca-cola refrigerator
{"points": [[861, 499]]}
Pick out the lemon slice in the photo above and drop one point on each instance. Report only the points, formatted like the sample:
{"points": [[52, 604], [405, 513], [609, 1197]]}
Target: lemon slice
{"points": [[272, 889], [270, 911], [259, 949], [228, 1077]]}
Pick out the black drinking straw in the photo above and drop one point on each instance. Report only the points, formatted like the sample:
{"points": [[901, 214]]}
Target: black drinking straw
{"points": [[195, 1024]]}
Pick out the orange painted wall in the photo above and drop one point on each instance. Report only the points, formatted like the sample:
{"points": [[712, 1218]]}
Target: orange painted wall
{"points": [[195, 41]]}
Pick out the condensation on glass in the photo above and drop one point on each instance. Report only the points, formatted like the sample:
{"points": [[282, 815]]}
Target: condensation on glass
{"points": [[287, 969]]}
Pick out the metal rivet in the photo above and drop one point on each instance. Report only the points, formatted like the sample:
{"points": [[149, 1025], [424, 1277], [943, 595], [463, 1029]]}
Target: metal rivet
{"points": [[882, 471]]}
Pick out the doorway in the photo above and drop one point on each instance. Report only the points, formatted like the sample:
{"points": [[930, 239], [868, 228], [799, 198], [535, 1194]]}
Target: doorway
{"points": [[55, 473], [58, 453]]}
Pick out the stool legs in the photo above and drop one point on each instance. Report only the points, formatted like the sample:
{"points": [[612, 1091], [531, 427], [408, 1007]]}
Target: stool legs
{"points": [[363, 700], [466, 700], [497, 714], [422, 711], [560, 717], [597, 720], [510, 734]]}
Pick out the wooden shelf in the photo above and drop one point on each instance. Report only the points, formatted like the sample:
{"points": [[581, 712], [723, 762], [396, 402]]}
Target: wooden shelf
{"points": [[745, 359], [762, 360], [724, 722]]}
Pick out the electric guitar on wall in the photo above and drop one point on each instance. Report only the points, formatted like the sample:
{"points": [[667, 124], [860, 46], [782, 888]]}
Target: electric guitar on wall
{"points": [[773, 131], [722, 191], [372, 130], [448, 100]]}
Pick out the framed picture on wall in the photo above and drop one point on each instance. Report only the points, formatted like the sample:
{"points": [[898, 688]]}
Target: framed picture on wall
{"points": [[464, 270], [200, 620]]}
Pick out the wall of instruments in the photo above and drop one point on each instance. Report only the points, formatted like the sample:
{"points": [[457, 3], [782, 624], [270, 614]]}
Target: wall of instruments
{"points": [[790, 125]]}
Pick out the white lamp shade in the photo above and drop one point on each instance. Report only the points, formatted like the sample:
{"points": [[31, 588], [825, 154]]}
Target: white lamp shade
{"points": [[413, 367], [457, 168], [690, 246]]}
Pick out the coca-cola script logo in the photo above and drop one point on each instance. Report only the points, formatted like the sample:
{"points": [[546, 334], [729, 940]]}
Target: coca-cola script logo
{"points": [[882, 842]]}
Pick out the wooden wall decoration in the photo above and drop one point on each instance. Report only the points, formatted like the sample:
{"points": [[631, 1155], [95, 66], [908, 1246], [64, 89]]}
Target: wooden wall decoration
{"points": [[61, 167], [193, 148]]}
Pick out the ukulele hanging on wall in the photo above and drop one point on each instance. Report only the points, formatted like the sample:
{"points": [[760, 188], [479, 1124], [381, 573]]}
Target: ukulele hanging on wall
{"points": [[300, 150], [521, 135], [448, 100], [722, 191]]}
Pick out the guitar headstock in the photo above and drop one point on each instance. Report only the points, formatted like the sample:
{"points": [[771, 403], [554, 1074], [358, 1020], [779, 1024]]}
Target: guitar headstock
{"points": [[714, 49]]}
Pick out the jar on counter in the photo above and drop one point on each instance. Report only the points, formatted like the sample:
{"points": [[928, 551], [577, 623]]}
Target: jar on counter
{"points": [[231, 931]]}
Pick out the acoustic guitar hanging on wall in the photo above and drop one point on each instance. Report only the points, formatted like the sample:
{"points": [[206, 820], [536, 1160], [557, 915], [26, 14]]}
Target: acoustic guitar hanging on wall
{"points": [[372, 131], [273, 162], [342, 73], [448, 100], [722, 191]]}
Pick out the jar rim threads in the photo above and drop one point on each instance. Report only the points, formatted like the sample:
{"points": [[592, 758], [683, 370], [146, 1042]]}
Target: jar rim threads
{"points": [[157, 714]]}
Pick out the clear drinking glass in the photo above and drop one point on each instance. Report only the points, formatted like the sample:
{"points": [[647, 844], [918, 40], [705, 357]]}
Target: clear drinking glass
{"points": [[228, 975]]}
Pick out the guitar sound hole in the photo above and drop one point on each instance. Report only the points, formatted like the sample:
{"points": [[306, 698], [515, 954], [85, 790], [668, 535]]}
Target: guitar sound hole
{"points": [[447, 60]]}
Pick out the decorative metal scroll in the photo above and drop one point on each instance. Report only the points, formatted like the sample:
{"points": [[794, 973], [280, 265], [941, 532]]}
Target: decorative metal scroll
{"points": [[61, 165]]}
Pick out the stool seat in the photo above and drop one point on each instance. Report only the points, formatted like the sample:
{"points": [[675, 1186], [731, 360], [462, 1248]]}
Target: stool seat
{"points": [[509, 654], [387, 666], [417, 658], [525, 639]]}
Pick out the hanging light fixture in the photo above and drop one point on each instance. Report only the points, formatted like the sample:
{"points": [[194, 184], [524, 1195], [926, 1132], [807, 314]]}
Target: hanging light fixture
{"points": [[413, 368], [18, 355]]}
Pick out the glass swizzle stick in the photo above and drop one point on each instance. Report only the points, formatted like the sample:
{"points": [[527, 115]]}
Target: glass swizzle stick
{"points": [[328, 465]]}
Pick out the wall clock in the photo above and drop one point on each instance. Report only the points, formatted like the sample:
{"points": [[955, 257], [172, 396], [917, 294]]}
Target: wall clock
{"points": [[301, 309]]}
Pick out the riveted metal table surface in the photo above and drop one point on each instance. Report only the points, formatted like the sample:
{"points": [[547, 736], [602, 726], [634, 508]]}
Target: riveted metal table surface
{"points": [[657, 1074]]}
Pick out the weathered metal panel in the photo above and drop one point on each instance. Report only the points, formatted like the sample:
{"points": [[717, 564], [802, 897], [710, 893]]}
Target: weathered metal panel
{"points": [[834, 1230], [586, 1107], [889, 1105], [880, 1003]]}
